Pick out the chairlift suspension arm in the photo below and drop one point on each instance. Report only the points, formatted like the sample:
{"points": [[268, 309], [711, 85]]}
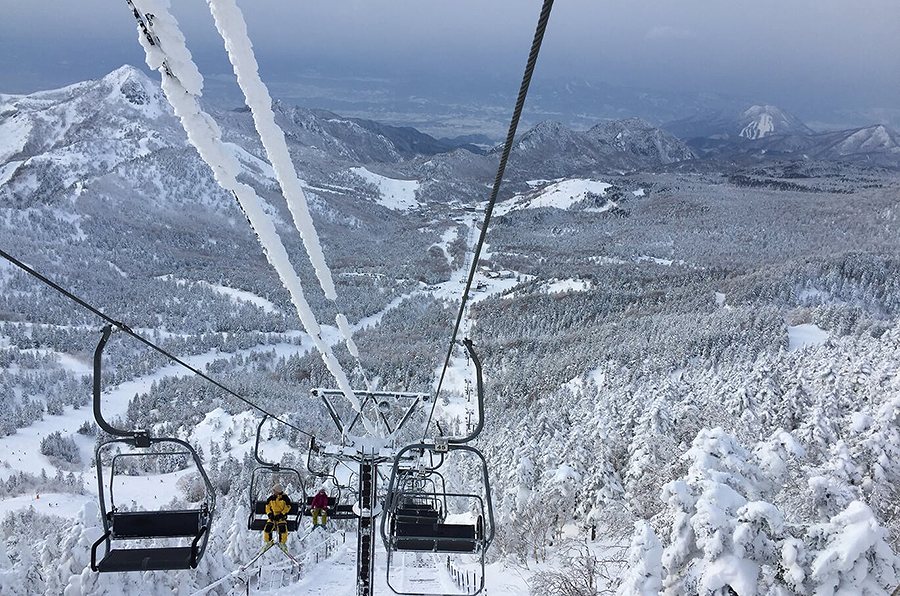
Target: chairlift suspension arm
{"points": [[141, 438], [256, 445], [479, 387]]}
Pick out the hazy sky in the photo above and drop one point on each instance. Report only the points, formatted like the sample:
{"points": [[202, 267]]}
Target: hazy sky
{"points": [[796, 53]]}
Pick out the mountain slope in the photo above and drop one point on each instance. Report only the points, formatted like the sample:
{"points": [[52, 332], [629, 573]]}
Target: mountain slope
{"points": [[754, 122], [552, 150], [762, 121]]}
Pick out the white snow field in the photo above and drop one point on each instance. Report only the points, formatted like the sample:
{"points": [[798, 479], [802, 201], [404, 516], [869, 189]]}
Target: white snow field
{"points": [[561, 195], [807, 334], [399, 195], [562, 286]]}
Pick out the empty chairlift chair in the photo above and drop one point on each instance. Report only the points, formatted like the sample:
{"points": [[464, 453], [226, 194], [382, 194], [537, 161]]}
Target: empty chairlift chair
{"points": [[417, 516], [184, 532]]}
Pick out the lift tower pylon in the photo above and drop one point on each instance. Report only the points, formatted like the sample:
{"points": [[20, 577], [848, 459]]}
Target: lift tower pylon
{"points": [[368, 453]]}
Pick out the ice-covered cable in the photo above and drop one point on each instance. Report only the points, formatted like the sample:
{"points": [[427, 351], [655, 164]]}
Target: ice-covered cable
{"points": [[233, 28], [205, 135], [231, 25]]}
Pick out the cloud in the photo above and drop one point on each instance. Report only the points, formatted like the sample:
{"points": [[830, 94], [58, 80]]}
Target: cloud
{"points": [[665, 32]]}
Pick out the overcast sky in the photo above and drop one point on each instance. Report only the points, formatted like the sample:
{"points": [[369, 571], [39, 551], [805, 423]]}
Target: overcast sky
{"points": [[841, 53]]}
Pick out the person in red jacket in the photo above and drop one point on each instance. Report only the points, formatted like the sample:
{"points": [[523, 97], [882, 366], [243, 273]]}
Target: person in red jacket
{"points": [[319, 508]]}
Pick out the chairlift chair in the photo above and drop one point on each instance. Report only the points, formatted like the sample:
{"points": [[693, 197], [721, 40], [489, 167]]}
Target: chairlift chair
{"points": [[338, 508], [262, 478], [415, 517], [122, 527], [416, 514]]}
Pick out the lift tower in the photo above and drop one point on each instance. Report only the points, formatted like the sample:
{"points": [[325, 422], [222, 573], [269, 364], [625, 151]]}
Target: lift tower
{"points": [[376, 444]]}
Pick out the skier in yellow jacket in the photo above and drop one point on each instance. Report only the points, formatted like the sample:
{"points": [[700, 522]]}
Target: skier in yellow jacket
{"points": [[277, 508]]}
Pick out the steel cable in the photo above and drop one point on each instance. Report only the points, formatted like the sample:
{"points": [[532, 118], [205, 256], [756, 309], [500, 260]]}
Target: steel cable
{"points": [[543, 19]]}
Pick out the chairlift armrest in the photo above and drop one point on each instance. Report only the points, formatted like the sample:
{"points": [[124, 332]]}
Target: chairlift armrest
{"points": [[196, 540], [101, 540]]}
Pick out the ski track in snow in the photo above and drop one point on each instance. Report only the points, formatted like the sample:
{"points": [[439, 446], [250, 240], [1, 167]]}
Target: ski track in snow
{"points": [[235, 294]]}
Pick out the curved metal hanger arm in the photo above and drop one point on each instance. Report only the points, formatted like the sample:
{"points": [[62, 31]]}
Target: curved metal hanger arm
{"points": [[140, 438]]}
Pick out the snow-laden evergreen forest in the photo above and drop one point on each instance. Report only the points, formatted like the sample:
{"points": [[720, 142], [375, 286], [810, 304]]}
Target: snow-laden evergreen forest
{"points": [[691, 366]]}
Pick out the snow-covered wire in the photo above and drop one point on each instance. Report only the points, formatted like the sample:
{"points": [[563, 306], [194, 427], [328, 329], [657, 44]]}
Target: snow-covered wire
{"points": [[232, 27], [175, 62]]}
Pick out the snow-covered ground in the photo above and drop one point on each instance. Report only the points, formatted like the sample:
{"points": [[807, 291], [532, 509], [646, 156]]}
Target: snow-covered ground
{"points": [[562, 286], [561, 195], [394, 194], [807, 334], [658, 261], [61, 504], [235, 294]]}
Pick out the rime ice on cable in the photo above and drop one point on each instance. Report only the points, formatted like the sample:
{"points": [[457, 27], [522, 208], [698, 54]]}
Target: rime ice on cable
{"points": [[233, 29], [204, 134]]}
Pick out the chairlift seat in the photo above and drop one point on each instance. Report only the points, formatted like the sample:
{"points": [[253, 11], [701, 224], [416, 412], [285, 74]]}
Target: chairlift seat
{"points": [[258, 523], [417, 513], [428, 536], [155, 524], [333, 510], [147, 559]]}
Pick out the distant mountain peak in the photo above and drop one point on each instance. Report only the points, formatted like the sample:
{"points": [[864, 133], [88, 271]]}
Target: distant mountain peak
{"points": [[135, 86], [760, 121], [552, 150]]}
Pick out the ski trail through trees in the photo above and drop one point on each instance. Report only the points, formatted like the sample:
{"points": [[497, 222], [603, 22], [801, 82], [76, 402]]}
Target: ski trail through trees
{"points": [[176, 65], [233, 28]]}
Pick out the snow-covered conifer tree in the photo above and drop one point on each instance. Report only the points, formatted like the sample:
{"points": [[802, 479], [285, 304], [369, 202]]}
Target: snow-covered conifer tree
{"points": [[853, 555], [880, 459], [643, 575], [776, 455], [721, 530]]}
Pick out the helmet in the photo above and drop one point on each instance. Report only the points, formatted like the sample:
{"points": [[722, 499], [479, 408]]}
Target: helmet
{"points": [[277, 489], [322, 489]]}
